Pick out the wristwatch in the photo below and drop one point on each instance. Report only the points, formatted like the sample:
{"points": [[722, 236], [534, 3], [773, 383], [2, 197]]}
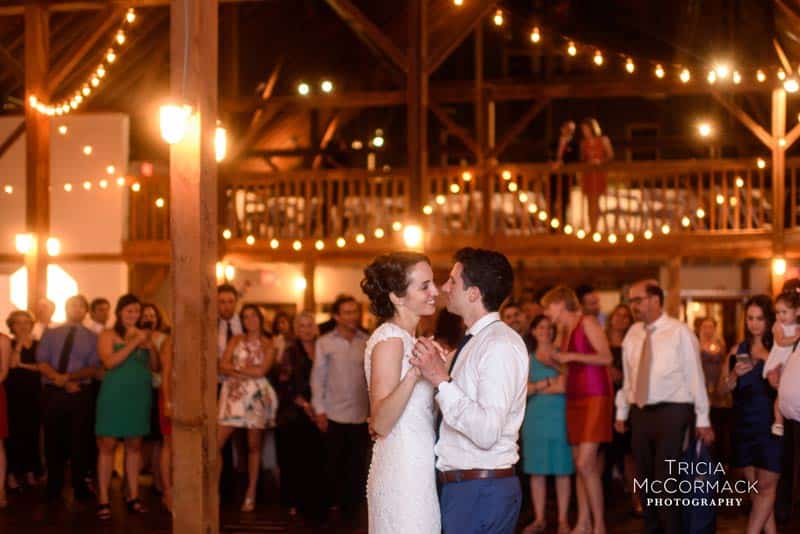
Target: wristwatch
{"points": [[436, 389]]}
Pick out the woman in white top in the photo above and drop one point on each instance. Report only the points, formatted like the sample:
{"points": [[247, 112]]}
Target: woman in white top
{"points": [[401, 488]]}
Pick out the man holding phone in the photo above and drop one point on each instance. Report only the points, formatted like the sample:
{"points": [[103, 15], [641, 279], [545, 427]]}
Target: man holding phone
{"points": [[663, 389]]}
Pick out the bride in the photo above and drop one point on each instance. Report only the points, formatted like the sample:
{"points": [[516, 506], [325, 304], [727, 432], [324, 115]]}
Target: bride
{"points": [[401, 488]]}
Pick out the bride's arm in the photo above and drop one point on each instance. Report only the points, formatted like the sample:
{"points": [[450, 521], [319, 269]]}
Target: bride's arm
{"points": [[389, 392]]}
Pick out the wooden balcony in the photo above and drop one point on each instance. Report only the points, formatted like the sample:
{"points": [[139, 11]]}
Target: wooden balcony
{"points": [[650, 210]]}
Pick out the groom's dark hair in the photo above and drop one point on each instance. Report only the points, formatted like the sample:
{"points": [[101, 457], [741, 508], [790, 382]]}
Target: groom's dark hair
{"points": [[490, 272]]}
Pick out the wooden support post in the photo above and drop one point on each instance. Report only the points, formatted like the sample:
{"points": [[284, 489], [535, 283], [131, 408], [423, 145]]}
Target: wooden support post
{"points": [[37, 148], [778, 169], [673, 289], [417, 103], [309, 271], [193, 222]]}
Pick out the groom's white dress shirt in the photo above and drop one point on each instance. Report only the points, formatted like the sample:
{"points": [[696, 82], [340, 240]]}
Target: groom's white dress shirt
{"points": [[483, 407]]}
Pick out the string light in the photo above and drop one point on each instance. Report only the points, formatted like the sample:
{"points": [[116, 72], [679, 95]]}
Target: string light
{"points": [[598, 58], [136, 187], [466, 176], [571, 49], [760, 76], [274, 243], [498, 17], [458, 3], [760, 163], [535, 35], [612, 238], [596, 237], [781, 75], [722, 71], [507, 174], [160, 202], [87, 150], [629, 237], [648, 234], [340, 242], [87, 185], [71, 103], [427, 209], [685, 76], [701, 213], [360, 238], [67, 187], [120, 181], [665, 229], [326, 86], [440, 199], [739, 182], [685, 221], [629, 66], [250, 240], [226, 234], [62, 130], [712, 77], [455, 188], [9, 189], [737, 78], [297, 245], [379, 233], [791, 85], [581, 233], [659, 72], [319, 245], [512, 186], [303, 89]]}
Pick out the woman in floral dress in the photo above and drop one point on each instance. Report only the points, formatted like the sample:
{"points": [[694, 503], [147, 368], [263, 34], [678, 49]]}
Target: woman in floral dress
{"points": [[245, 396]]}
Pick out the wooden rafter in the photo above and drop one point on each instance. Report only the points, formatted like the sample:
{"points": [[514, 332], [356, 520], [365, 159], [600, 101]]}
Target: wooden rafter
{"points": [[13, 8], [518, 127], [458, 34], [100, 25], [253, 134], [757, 130], [369, 33], [11, 63], [12, 138], [455, 129]]}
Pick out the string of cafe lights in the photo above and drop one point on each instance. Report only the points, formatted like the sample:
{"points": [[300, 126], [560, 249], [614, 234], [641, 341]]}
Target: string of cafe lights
{"points": [[719, 72], [81, 95], [412, 235]]}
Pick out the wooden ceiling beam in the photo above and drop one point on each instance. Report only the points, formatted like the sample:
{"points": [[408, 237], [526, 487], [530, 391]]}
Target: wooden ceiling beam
{"points": [[369, 33], [440, 53], [497, 90], [253, 133], [99, 26], [59, 6]]}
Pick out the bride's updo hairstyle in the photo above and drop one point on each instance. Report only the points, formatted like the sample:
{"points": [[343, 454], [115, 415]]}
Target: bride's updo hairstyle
{"points": [[388, 273]]}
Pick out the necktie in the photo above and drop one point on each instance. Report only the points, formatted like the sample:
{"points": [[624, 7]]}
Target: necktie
{"points": [[63, 360], [461, 345], [642, 389], [228, 332]]}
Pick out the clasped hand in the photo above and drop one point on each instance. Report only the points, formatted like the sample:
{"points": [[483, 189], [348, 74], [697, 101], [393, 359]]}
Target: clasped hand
{"points": [[431, 360]]}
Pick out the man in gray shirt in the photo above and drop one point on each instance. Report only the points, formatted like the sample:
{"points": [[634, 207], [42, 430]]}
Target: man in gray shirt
{"points": [[341, 404]]}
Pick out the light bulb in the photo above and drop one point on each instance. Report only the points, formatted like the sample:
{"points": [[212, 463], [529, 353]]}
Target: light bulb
{"points": [[303, 89], [629, 66], [427, 209], [53, 246], [130, 16], [791, 85], [250, 240], [659, 71], [120, 38], [226, 234], [360, 238], [760, 76], [62, 130], [326, 86], [24, 243], [173, 120], [535, 35], [498, 18], [685, 76], [571, 49], [712, 77], [220, 143], [598, 58], [340, 242], [412, 236], [87, 150], [319, 245], [274, 243], [297, 245], [159, 202], [136, 187], [379, 233], [737, 78]]}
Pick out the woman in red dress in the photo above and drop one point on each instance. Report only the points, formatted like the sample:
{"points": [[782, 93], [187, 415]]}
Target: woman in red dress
{"points": [[595, 150], [5, 356], [585, 352]]}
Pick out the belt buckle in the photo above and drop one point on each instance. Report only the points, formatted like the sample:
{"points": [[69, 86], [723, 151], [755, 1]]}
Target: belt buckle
{"points": [[459, 476]]}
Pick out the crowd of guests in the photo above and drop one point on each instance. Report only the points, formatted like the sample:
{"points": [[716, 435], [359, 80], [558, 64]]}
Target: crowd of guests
{"points": [[609, 396]]}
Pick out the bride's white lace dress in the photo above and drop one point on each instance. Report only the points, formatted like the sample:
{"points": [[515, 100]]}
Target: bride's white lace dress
{"points": [[401, 488]]}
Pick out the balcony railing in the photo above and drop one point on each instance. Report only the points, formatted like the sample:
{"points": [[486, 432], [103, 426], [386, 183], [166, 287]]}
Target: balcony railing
{"points": [[695, 196]]}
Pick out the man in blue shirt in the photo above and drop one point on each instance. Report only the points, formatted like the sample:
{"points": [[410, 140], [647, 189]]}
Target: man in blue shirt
{"points": [[67, 357]]}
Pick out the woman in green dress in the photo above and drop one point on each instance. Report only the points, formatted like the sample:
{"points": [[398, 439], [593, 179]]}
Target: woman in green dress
{"points": [[545, 450], [124, 402]]}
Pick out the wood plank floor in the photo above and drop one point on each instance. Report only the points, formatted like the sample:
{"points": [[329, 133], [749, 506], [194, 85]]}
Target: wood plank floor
{"points": [[28, 513]]}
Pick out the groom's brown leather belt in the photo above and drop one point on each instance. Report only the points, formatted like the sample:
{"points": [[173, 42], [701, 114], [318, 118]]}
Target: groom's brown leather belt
{"points": [[447, 477]]}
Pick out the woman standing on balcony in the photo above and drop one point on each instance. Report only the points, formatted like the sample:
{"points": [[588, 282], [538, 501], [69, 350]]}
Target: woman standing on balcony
{"points": [[584, 349], [595, 150]]}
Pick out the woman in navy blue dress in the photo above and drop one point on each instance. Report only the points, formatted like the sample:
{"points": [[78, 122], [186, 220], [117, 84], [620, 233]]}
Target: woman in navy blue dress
{"points": [[755, 449]]}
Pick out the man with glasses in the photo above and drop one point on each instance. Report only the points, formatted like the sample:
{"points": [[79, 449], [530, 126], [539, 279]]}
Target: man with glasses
{"points": [[663, 391]]}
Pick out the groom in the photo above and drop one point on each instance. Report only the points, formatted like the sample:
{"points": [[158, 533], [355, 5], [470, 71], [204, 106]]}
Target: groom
{"points": [[481, 395]]}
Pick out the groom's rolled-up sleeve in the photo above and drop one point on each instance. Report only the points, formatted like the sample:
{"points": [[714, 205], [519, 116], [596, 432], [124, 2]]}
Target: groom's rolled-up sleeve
{"points": [[482, 419]]}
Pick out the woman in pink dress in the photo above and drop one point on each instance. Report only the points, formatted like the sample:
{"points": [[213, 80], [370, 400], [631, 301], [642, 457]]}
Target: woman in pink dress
{"points": [[585, 352], [595, 150]]}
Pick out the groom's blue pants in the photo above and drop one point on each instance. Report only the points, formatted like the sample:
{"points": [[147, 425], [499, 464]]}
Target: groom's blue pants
{"points": [[488, 506]]}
